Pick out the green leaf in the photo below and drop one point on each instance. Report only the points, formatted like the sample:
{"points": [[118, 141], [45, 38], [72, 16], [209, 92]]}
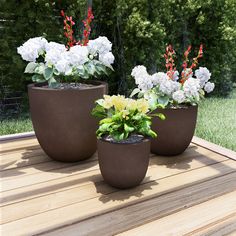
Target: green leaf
{"points": [[128, 128], [38, 78], [91, 68], [48, 72], [134, 92], [31, 67], [99, 111], [164, 100], [40, 69], [52, 83], [160, 115]]}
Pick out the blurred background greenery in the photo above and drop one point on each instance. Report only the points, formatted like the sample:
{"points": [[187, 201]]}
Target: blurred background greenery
{"points": [[139, 31]]}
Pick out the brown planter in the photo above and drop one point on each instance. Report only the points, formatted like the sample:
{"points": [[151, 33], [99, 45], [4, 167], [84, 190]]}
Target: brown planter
{"points": [[175, 132], [62, 120], [123, 165]]}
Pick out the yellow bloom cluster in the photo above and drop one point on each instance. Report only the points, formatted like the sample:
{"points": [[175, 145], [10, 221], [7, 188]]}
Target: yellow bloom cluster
{"points": [[120, 103]]}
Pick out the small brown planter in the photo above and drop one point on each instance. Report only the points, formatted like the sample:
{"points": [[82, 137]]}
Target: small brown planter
{"points": [[62, 120], [175, 132], [123, 165]]}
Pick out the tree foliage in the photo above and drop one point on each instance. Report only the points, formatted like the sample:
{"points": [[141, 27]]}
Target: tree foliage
{"points": [[139, 30]]}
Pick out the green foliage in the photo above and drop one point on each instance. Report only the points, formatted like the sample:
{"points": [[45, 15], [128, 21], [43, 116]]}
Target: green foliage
{"points": [[122, 117], [139, 30], [43, 73]]}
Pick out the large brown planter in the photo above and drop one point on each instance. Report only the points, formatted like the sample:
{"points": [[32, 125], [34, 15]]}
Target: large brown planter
{"points": [[62, 120], [123, 165], [175, 132]]}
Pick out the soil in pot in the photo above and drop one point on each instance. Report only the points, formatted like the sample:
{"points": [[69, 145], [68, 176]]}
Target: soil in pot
{"points": [[175, 132], [62, 119], [124, 164]]}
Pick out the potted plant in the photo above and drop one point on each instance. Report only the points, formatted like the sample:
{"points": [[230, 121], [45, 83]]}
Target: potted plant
{"points": [[62, 97], [179, 94], [123, 143]]}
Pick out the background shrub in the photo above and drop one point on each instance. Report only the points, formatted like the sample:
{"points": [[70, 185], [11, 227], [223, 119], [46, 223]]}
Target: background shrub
{"points": [[139, 30]]}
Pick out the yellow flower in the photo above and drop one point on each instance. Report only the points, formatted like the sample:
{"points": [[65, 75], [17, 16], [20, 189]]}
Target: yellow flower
{"points": [[107, 103], [125, 114], [131, 104], [119, 102], [143, 105]]}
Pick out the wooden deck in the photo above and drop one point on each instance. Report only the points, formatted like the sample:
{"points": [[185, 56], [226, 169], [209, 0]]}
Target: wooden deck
{"points": [[192, 194]]}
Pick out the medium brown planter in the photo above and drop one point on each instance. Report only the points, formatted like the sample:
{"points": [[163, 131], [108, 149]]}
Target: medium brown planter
{"points": [[175, 132], [123, 165], [62, 120]]}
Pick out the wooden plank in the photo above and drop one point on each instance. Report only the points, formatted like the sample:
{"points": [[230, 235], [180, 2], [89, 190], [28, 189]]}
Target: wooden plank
{"points": [[214, 147], [186, 221], [224, 226], [26, 161], [100, 205], [22, 181], [6, 146], [11, 137], [20, 160], [166, 167], [177, 163], [138, 214], [33, 169]]}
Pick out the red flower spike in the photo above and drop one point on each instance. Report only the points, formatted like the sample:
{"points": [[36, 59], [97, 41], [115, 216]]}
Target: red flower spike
{"points": [[68, 24], [184, 76], [62, 13], [170, 66]]}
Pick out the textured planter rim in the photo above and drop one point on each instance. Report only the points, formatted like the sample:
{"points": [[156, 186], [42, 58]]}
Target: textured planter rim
{"points": [[117, 143], [96, 84]]}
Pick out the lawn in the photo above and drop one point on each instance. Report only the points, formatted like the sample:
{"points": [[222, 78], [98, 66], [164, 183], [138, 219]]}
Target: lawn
{"points": [[16, 125], [216, 122]]}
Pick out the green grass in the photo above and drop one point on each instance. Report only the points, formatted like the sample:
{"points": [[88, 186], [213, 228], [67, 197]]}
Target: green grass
{"points": [[217, 121], [16, 125]]}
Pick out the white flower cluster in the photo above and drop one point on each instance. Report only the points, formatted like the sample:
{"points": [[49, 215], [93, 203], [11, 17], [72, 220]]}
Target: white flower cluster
{"points": [[65, 60], [203, 74], [32, 48], [142, 78], [162, 85]]}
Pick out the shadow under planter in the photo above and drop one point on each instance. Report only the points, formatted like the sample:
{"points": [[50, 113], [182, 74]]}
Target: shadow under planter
{"points": [[62, 120], [123, 165], [175, 132]]}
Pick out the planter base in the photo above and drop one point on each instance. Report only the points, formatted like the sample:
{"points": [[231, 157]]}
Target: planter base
{"points": [[175, 132]]}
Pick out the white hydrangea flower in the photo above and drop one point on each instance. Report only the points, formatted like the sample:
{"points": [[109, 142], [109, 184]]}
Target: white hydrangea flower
{"points": [[209, 87], [187, 73], [53, 56], [179, 96], [107, 59], [142, 78], [138, 71], [168, 87], [78, 55], [55, 46], [159, 78], [32, 48], [191, 87], [100, 45], [63, 65], [203, 74], [145, 84]]}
